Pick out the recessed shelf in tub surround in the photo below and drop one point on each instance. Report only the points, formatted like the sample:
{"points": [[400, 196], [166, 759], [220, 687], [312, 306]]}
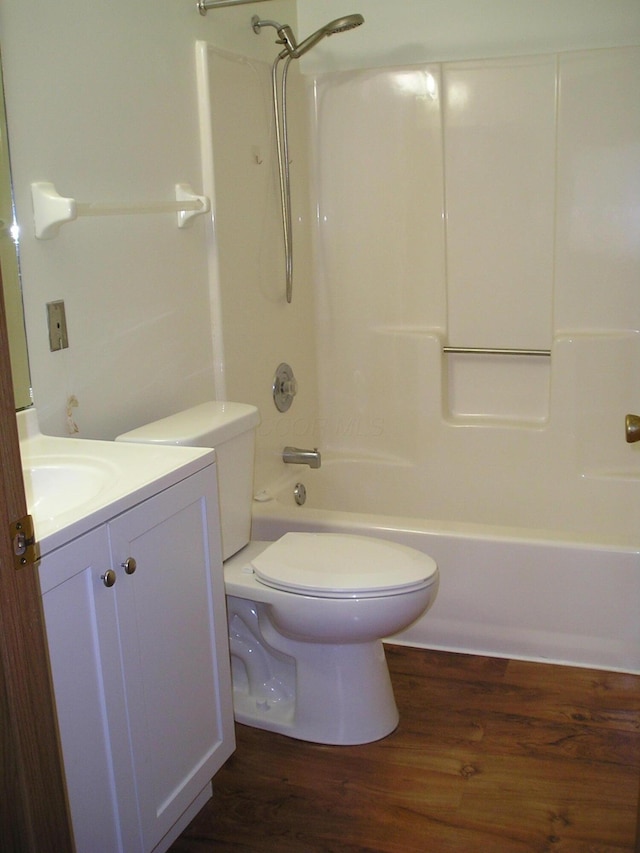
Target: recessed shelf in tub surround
{"points": [[485, 385], [51, 210]]}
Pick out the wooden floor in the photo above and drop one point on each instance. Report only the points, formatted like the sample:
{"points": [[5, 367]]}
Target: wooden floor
{"points": [[491, 756]]}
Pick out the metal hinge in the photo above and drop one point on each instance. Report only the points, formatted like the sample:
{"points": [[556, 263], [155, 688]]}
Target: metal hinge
{"points": [[26, 551]]}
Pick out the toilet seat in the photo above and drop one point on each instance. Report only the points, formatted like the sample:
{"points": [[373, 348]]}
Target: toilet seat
{"points": [[327, 565]]}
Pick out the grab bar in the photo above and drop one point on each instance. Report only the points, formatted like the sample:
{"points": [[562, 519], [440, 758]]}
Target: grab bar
{"points": [[497, 351]]}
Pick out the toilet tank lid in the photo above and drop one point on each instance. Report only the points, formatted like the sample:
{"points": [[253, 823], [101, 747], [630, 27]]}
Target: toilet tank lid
{"points": [[191, 426]]}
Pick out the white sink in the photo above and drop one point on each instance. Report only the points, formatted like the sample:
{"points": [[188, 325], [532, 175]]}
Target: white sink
{"points": [[57, 484], [74, 484]]}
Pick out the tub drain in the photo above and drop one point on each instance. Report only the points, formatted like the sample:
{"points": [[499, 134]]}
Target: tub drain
{"points": [[300, 493]]}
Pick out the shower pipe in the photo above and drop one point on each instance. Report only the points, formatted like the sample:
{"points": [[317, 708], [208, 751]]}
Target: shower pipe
{"points": [[292, 50], [204, 5], [282, 147]]}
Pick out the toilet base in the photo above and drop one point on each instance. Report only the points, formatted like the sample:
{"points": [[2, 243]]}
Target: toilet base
{"points": [[339, 694]]}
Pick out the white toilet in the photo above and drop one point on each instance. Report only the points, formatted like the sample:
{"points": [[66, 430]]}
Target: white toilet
{"points": [[306, 613]]}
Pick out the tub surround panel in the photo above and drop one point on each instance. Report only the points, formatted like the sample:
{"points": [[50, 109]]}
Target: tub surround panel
{"points": [[598, 251], [380, 196], [259, 330], [606, 387], [379, 254], [499, 176], [499, 144], [514, 176], [568, 471], [572, 473]]}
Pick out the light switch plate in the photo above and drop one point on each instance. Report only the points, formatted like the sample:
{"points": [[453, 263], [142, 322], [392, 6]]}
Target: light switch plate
{"points": [[57, 320]]}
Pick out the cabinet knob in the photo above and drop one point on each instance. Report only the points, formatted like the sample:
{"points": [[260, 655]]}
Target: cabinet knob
{"points": [[129, 565], [108, 578]]}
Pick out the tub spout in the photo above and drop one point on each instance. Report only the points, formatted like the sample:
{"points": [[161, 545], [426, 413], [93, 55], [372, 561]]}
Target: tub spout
{"points": [[296, 456]]}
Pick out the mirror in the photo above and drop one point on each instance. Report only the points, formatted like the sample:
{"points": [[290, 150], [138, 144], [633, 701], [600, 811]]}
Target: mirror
{"points": [[10, 265]]}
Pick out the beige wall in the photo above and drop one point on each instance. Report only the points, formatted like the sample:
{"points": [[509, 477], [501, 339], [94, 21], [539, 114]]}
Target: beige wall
{"points": [[102, 101], [259, 329], [417, 31]]}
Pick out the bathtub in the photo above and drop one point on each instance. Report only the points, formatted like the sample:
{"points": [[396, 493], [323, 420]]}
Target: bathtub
{"points": [[540, 595]]}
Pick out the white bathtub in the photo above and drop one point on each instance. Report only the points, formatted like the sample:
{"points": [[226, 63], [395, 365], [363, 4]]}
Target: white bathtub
{"points": [[504, 591]]}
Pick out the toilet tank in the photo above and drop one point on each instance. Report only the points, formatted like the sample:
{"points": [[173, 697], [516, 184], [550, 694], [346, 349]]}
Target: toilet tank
{"points": [[230, 428]]}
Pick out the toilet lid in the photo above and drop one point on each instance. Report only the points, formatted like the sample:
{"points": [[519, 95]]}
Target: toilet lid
{"points": [[336, 565]]}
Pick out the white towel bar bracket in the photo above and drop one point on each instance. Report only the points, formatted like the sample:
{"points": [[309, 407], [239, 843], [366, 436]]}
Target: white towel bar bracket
{"points": [[51, 210]]}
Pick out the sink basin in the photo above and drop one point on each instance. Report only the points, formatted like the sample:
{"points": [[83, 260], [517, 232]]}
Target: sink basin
{"points": [[55, 485], [72, 484]]}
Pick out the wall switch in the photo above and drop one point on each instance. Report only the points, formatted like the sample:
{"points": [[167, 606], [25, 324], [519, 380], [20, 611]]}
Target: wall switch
{"points": [[57, 326]]}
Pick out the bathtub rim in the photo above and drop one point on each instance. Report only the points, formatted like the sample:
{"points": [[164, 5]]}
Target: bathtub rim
{"points": [[598, 630], [273, 509]]}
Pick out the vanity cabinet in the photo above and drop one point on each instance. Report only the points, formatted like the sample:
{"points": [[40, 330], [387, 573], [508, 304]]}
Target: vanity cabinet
{"points": [[136, 623]]}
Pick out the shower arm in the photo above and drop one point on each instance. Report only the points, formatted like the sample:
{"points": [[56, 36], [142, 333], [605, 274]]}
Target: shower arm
{"points": [[204, 5]]}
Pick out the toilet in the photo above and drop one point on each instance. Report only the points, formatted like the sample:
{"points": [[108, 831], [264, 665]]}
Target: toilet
{"points": [[308, 612]]}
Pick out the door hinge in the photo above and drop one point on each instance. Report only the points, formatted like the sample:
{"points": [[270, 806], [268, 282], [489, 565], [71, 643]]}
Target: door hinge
{"points": [[26, 551]]}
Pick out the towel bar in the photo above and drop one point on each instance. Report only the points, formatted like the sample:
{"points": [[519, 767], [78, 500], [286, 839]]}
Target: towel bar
{"points": [[51, 210]]}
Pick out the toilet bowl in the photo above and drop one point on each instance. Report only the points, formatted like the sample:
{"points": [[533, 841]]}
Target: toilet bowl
{"points": [[307, 613], [306, 617]]}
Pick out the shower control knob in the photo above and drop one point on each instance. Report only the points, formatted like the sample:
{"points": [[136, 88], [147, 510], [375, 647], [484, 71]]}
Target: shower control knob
{"points": [[289, 388], [285, 387], [108, 578], [129, 565]]}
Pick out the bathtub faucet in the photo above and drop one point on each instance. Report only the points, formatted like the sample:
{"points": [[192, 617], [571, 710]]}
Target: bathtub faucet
{"points": [[302, 457]]}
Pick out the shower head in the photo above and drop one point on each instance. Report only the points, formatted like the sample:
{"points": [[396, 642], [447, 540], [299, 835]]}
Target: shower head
{"points": [[287, 38], [340, 25]]}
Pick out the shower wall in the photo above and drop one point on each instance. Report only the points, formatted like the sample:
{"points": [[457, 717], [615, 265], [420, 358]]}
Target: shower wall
{"points": [[256, 329], [484, 204], [102, 101]]}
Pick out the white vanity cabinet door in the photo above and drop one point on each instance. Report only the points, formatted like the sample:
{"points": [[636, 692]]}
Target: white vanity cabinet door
{"points": [[82, 634], [141, 668], [172, 617]]}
